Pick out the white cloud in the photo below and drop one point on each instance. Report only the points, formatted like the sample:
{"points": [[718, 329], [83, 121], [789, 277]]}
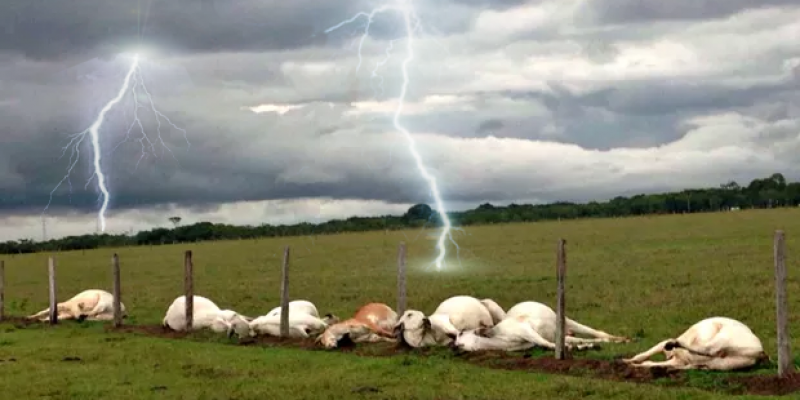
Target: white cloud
{"points": [[718, 146], [280, 109]]}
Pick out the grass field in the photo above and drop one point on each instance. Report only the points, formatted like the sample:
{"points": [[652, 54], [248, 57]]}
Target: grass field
{"points": [[649, 278]]}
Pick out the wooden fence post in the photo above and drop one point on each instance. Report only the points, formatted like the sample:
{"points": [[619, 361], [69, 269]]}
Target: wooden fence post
{"points": [[561, 272], [117, 290], [51, 278], [2, 289], [401, 279], [188, 288], [285, 294], [784, 350]]}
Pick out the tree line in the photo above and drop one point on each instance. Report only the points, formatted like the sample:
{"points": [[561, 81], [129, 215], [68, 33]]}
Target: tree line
{"points": [[769, 192]]}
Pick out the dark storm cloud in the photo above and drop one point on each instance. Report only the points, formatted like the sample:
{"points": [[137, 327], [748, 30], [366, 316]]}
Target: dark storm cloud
{"points": [[236, 155], [42, 29], [489, 126], [659, 98], [625, 11], [46, 29], [494, 4]]}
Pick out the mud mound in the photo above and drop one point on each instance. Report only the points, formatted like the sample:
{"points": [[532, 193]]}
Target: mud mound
{"points": [[609, 370], [21, 322], [770, 385], [149, 330]]}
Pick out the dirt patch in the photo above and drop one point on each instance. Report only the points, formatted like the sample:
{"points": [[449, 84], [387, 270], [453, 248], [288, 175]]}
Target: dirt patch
{"points": [[613, 370], [770, 385], [603, 369], [149, 330], [22, 323]]}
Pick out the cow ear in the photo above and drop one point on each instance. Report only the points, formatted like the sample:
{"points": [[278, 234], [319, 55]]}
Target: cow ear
{"points": [[426, 323]]}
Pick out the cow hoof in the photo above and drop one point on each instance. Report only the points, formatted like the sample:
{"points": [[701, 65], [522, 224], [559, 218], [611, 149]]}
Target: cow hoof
{"points": [[81, 318]]}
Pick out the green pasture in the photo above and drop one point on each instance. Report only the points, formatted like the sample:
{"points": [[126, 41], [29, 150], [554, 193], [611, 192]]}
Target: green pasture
{"points": [[646, 277]]}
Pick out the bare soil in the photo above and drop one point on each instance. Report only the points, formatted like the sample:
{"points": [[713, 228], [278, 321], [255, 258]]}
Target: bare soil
{"points": [[613, 370]]}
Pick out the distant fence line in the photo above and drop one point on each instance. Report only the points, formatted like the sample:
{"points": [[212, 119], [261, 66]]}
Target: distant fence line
{"points": [[785, 366]]}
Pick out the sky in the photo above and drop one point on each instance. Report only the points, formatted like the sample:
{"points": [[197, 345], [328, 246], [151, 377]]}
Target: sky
{"points": [[281, 122]]}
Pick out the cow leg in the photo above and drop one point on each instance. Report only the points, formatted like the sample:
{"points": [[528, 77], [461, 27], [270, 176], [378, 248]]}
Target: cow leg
{"points": [[729, 363], [102, 317], [95, 312], [40, 314], [521, 347], [373, 338], [60, 317], [530, 335], [672, 363], [577, 340], [600, 336], [659, 348]]}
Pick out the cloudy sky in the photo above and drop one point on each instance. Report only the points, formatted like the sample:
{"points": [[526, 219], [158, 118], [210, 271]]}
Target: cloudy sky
{"points": [[508, 101]]}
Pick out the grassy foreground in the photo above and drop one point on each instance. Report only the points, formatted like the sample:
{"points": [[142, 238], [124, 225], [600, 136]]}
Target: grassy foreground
{"points": [[648, 277]]}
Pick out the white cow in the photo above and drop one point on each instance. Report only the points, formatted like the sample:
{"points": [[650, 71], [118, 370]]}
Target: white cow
{"points": [[529, 324], [716, 343], [206, 315], [91, 304], [303, 306], [297, 306], [442, 327], [301, 325]]}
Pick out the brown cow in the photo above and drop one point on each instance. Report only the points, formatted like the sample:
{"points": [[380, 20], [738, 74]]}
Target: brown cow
{"points": [[372, 323]]}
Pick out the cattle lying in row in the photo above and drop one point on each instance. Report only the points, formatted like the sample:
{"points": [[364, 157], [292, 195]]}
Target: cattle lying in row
{"points": [[373, 322], [469, 324], [716, 343], [456, 314], [304, 321], [206, 315], [91, 304], [527, 325]]}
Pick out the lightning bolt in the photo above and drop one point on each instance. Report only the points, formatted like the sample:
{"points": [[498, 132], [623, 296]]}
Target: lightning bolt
{"points": [[133, 79], [405, 8]]}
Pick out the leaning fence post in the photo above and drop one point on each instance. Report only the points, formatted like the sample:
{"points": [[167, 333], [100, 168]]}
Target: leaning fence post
{"points": [[561, 272], [188, 287], [2, 289], [51, 278], [401, 279], [781, 303], [285, 294], [117, 290]]}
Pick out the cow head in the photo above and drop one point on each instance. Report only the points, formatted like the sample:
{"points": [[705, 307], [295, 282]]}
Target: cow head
{"points": [[330, 319], [467, 340], [411, 328], [234, 324]]}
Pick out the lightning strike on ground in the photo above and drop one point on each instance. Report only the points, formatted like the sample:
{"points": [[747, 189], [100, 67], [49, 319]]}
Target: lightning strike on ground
{"points": [[405, 8], [133, 82]]}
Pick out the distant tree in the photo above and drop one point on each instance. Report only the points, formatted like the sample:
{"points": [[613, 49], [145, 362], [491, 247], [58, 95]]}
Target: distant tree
{"points": [[418, 212], [772, 191], [486, 206]]}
